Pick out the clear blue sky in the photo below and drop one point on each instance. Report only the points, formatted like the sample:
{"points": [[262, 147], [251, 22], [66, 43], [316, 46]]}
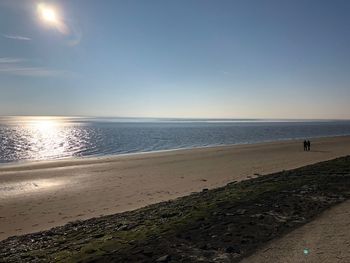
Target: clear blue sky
{"points": [[178, 58]]}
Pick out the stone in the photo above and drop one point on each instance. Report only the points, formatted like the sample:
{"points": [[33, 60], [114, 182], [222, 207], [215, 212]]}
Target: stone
{"points": [[164, 258], [233, 249], [241, 211]]}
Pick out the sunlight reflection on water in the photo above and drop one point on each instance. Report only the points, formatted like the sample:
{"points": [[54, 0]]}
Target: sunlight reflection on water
{"points": [[42, 138]]}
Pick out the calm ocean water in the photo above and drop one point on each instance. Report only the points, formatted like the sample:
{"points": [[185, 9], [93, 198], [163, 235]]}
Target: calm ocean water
{"points": [[29, 138]]}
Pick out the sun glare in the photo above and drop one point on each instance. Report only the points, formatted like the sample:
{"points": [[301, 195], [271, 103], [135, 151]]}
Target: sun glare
{"points": [[45, 125], [51, 16], [48, 14]]}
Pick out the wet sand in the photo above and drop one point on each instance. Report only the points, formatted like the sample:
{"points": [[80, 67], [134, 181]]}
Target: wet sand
{"points": [[38, 196]]}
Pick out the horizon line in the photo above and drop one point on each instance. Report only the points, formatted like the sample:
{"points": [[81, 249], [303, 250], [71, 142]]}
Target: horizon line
{"points": [[178, 118]]}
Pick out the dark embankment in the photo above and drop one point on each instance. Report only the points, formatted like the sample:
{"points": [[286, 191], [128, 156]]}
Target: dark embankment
{"points": [[221, 225]]}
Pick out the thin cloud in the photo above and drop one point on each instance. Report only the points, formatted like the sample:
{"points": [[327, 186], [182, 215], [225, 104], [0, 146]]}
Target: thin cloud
{"points": [[30, 71], [10, 60], [16, 37], [14, 66]]}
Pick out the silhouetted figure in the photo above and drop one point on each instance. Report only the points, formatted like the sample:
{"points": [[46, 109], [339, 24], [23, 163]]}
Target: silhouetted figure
{"points": [[305, 145], [308, 145]]}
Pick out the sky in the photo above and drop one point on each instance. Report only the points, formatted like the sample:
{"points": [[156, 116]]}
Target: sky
{"points": [[176, 58]]}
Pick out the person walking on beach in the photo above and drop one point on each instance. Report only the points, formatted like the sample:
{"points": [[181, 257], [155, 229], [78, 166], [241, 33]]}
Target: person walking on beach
{"points": [[308, 145], [305, 145]]}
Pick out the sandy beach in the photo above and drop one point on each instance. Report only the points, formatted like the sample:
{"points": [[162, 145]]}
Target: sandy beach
{"points": [[38, 196]]}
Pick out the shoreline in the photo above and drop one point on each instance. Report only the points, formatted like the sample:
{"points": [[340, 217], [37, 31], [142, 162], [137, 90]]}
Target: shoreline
{"points": [[66, 161], [39, 196]]}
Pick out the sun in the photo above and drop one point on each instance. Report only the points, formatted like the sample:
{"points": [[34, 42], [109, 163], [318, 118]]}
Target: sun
{"points": [[48, 14], [51, 17]]}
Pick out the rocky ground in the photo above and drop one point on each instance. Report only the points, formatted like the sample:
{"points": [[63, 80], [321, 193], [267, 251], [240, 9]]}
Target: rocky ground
{"points": [[220, 225]]}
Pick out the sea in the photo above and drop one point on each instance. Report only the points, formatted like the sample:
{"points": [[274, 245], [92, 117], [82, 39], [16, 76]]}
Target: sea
{"points": [[49, 138]]}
